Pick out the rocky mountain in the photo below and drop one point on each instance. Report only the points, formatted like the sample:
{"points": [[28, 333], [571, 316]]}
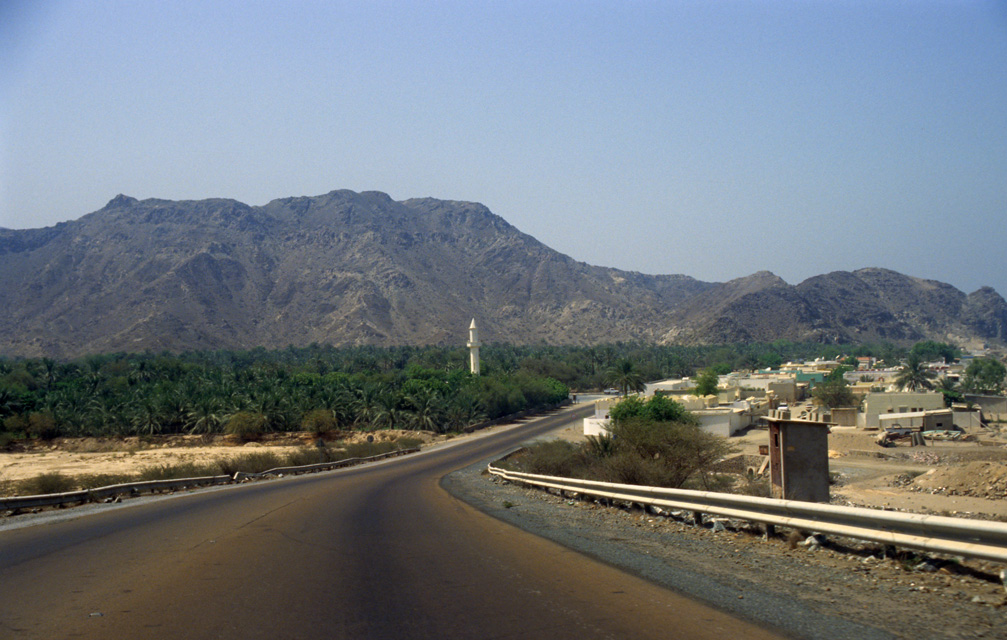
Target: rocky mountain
{"points": [[360, 268]]}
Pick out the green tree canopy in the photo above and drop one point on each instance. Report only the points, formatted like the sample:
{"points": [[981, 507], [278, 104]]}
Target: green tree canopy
{"points": [[839, 372], [930, 351], [834, 393], [985, 375], [657, 408], [706, 382]]}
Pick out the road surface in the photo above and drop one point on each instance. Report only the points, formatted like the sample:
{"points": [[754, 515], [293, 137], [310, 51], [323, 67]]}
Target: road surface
{"points": [[380, 551]]}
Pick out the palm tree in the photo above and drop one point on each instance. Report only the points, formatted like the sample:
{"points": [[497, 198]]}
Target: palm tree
{"points": [[913, 376], [623, 375], [366, 404], [951, 390], [388, 414], [426, 410], [205, 416]]}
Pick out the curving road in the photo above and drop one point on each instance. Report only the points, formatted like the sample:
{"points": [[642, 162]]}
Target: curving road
{"points": [[368, 552]]}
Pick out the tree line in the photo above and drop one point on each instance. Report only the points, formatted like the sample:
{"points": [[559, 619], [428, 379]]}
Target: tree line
{"points": [[321, 387], [248, 392]]}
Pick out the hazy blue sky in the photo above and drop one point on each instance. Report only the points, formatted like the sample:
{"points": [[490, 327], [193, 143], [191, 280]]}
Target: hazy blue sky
{"points": [[713, 139]]}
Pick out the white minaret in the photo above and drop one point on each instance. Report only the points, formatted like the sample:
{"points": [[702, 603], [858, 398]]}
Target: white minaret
{"points": [[474, 348]]}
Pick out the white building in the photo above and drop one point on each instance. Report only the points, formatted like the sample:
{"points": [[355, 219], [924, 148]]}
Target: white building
{"points": [[878, 404]]}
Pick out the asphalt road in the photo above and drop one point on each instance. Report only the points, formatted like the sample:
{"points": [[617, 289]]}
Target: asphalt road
{"points": [[369, 552]]}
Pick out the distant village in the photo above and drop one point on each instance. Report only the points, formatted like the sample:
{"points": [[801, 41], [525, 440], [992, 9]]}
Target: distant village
{"points": [[878, 399]]}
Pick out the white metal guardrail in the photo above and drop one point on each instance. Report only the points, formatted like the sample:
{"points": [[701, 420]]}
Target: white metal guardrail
{"points": [[16, 503], [936, 534], [323, 466]]}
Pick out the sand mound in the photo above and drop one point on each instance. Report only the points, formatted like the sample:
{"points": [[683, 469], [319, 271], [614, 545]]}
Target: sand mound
{"points": [[979, 479]]}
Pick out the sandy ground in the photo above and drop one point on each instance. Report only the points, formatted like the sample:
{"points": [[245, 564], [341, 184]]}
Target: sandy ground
{"points": [[932, 479], [93, 456], [901, 477], [958, 478]]}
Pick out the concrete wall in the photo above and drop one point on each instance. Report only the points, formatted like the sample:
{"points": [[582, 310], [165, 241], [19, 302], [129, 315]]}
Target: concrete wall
{"points": [[597, 424], [993, 407], [785, 390], [844, 416], [967, 419], [674, 384], [725, 422], [876, 404], [922, 420], [594, 426]]}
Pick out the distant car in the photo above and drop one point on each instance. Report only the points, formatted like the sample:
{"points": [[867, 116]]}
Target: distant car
{"points": [[611, 392]]}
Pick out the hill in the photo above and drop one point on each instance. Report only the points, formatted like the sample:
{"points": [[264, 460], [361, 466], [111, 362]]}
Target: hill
{"points": [[360, 268]]}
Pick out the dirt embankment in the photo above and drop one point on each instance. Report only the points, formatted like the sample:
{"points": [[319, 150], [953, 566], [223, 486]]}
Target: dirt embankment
{"points": [[978, 479]]}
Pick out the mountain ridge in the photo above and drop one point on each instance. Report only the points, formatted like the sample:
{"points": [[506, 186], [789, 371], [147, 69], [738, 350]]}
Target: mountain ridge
{"points": [[362, 268]]}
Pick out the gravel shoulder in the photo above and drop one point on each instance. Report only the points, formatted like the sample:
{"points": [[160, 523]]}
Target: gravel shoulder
{"points": [[841, 589]]}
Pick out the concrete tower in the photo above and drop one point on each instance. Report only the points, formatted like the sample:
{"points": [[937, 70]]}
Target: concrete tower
{"points": [[473, 345]]}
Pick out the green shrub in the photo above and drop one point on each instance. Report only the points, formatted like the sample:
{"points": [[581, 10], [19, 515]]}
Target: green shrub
{"points": [[626, 467], [42, 426], [367, 449], [15, 424], [408, 443], [53, 482], [95, 480], [758, 487], [316, 455], [553, 458], [319, 421], [682, 448], [7, 439], [657, 408], [246, 425], [175, 471], [600, 446], [255, 462]]}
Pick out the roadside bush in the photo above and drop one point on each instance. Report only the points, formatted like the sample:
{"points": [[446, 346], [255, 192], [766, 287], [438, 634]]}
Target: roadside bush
{"points": [[316, 455], [408, 443], [304, 456], [246, 425], [319, 422], [554, 458], [7, 439], [15, 424], [367, 449], [758, 487], [600, 446], [627, 467], [54, 482], [255, 462], [703, 481], [95, 480], [683, 449], [641, 450], [174, 471], [42, 426]]}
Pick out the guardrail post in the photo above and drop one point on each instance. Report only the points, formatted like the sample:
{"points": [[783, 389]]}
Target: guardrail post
{"points": [[770, 531], [697, 518]]}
